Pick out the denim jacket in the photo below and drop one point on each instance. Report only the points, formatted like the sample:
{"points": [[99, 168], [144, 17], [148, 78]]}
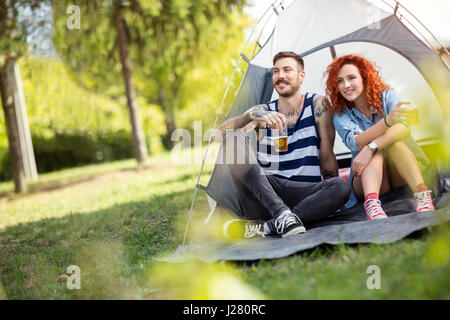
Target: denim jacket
{"points": [[352, 122]]}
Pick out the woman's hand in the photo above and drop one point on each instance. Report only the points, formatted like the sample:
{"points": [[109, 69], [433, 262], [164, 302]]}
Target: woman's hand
{"points": [[362, 160], [398, 114], [267, 118]]}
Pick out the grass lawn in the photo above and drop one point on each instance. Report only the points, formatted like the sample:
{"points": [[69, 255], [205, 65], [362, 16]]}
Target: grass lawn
{"points": [[111, 219]]}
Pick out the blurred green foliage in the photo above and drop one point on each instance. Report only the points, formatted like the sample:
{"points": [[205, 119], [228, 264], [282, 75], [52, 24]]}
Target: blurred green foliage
{"points": [[79, 116], [171, 44], [204, 85], [72, 126], [13, 26]]}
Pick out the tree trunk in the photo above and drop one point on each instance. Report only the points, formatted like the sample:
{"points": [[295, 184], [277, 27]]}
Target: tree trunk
{"points": [[169, 118], [15, 152], [25, 141], [140, 148]]}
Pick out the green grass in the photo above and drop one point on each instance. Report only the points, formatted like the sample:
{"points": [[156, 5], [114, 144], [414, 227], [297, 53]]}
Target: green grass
{"points": [[111, 219]]}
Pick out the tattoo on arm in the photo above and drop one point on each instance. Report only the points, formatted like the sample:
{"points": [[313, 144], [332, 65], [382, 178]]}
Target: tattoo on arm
{"points": [[258, 111], [232, 123], [327, 174], [321, 107], [241, 120]]}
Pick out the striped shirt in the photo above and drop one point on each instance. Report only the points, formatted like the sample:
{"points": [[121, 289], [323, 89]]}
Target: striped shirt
{"points": [[301, 161]]}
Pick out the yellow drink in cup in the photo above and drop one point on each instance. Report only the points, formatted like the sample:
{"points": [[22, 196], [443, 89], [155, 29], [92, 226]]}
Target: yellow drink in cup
{"points": [[413, 114], [281, 142]]}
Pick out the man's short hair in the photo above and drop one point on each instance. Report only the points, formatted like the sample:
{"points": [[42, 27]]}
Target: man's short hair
{"points": [[289, 54]]}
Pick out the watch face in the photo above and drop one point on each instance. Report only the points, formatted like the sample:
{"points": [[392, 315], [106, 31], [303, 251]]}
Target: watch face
{"points": [[373, 146]]}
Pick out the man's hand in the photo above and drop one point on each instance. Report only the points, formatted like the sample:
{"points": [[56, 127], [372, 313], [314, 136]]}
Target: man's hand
{"points": [[362, 160], [266, 118]]}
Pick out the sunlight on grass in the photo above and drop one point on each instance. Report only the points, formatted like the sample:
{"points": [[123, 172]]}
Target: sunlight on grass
{"points": [[101, 264], [199, 281], [2, 293], [159, 176], [65, 176]]}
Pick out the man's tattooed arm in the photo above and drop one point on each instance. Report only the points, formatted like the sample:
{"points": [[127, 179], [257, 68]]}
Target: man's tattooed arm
{"points": [[324, 120], [321, 106], [327, 174], [258, 113], [234, 123]]}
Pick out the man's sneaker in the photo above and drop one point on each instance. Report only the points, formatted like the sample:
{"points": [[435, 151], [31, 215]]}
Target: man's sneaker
{"points": [[239, 229], [288, 224], [373, 209], [424, 202]]}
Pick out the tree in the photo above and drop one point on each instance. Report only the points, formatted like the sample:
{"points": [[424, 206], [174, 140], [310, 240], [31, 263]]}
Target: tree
{"points": [[140, 148], [168, 35], [80, 48], [163, 42], [13, 33]]}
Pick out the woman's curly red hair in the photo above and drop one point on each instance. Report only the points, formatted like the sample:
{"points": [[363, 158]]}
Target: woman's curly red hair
{"points": [[373, 84]]}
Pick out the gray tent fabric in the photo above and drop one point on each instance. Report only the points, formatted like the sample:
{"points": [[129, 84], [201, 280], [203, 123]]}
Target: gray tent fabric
{"points": [[256, 88], [394, 35], [225, 196]]}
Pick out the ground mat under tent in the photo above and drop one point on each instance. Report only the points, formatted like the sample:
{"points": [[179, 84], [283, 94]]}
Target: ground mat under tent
{"points": [[350, 227]]}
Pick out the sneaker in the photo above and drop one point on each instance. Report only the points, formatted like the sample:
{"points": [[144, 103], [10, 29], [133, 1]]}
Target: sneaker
{"points": [[373, 209], [288, 224], [424, 202], [239, 229]]}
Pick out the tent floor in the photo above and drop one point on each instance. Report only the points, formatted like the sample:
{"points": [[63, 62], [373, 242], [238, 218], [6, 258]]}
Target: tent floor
{"points": [[349, 226]]}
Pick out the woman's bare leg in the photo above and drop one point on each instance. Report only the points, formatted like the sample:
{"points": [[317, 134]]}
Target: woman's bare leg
{"points": [[408, 170], [406, 166], [374, 178]]}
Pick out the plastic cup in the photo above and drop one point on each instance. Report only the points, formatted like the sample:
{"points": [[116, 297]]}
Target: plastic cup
{"points": [[413, 114], [281, 141]]}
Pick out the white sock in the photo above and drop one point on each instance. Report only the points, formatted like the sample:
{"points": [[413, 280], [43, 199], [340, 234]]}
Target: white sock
{"points": [[266, 228], [285, 212]]}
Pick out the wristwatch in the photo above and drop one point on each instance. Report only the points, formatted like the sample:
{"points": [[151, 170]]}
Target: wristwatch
{"points": [[373, 146]]}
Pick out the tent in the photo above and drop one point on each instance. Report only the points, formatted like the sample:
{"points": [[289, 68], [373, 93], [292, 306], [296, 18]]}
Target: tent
{"points": [[411, 59]]}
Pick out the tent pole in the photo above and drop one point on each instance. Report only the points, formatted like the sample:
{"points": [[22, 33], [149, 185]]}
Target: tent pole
{"points": [[420, 22], [333, 52], [398, 4], [217, 117]]}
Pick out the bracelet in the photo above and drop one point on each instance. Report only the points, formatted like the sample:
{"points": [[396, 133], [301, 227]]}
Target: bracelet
{"points": [[386, 122]]}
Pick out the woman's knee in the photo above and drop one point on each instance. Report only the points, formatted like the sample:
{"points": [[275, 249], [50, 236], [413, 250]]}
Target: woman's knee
{"points": [[378, 157], [396, 147]]}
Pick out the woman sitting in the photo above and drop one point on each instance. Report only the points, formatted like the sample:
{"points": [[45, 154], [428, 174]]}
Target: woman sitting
{"points": [[371, 122]]}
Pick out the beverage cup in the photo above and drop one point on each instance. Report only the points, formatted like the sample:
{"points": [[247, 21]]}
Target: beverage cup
{"points": [[281, 141], [413, 114]]}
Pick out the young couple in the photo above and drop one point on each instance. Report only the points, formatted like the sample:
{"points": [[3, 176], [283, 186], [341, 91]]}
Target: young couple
{"points": [[279, 191]]}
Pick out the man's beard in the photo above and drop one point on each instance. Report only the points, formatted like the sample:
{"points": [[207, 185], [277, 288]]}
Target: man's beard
{"points": [[289, 93]]}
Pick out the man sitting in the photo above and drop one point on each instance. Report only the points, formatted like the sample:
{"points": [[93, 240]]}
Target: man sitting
{"points": [[279, 190]]}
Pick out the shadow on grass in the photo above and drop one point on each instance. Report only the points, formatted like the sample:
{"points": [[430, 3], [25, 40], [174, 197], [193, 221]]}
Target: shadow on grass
{"points": [[111, 246]]}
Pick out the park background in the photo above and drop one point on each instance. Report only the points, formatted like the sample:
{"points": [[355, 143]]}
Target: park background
{"points": [[97, 195]]}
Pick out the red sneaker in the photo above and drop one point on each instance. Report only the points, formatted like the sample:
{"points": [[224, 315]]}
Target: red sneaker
{"points": [[373, 209], [424, 202]]}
